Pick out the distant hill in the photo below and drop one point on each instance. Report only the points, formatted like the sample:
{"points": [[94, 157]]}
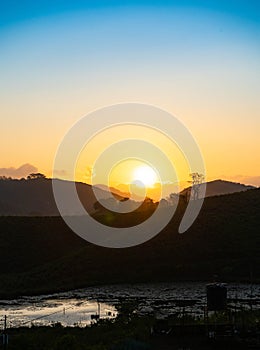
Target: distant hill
{"points": [[220, 187], [35, 197], [41, 254], [113, 190]]}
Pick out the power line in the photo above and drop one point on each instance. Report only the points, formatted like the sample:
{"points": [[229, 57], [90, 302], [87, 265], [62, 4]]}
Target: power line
{"points": [[48, 315]]}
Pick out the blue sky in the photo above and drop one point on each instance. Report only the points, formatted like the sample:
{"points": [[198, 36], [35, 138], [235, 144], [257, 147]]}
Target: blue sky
{"points": [[12, 11], [197, 59]]}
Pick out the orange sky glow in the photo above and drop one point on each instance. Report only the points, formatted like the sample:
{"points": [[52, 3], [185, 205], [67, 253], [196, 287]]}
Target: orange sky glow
{"points": [[202, 67]]}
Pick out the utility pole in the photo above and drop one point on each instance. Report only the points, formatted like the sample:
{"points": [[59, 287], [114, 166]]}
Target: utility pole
{"points": [[251, 287], [98, 309]]}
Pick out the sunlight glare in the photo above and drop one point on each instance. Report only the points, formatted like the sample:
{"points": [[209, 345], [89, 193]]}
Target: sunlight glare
{"points": [[145, 174]]}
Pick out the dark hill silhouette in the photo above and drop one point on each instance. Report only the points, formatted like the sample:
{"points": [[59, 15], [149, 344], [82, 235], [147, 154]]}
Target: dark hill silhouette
{"points": [[220, 187], [41, 254], [35, 197]]}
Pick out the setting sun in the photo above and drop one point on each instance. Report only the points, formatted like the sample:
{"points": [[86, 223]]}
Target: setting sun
{"points": [[146, 175]]}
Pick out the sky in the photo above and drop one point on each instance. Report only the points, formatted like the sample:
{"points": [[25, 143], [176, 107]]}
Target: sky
{"points": [[198, 60]]}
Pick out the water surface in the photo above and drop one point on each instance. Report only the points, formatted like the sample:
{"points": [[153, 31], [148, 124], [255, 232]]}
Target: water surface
{"points": [[76, 307]]}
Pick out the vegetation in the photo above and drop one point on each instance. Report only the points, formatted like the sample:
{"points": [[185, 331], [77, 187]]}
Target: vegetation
{"points": [[100, 336], [131, 331], [41, 254]]}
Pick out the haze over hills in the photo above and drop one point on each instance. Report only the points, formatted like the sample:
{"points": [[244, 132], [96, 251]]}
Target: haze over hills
{"points": [[35, 197], [123, 194], [220, 187]]}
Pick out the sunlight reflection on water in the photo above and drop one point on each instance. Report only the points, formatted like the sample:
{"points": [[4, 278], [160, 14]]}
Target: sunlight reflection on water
{"points": [[74, 308]]}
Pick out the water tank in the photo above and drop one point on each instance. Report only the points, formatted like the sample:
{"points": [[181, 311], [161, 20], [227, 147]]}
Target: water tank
{"points": [[216, 296]]}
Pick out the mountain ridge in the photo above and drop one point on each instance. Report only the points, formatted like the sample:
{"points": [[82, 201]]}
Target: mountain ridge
{"points": [[219, 187], [35, 197], [224, 240]]}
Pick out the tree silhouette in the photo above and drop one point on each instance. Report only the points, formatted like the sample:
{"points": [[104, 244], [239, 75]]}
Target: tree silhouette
{"points": [[5, 178], [35, 176], [197, 180]]}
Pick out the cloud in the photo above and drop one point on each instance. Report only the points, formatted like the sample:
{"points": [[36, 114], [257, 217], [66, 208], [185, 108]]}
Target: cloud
{"points": [[61, 172], [243, 179], [249, 180], [17, 173]]}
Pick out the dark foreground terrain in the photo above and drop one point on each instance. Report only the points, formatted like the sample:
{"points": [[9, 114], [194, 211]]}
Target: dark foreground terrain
{"points": [[132, 332], [41, 254]]}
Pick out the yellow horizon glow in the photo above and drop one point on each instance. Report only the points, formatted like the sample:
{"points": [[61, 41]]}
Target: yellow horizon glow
{"points": [[56, 69], [129, 170]]}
